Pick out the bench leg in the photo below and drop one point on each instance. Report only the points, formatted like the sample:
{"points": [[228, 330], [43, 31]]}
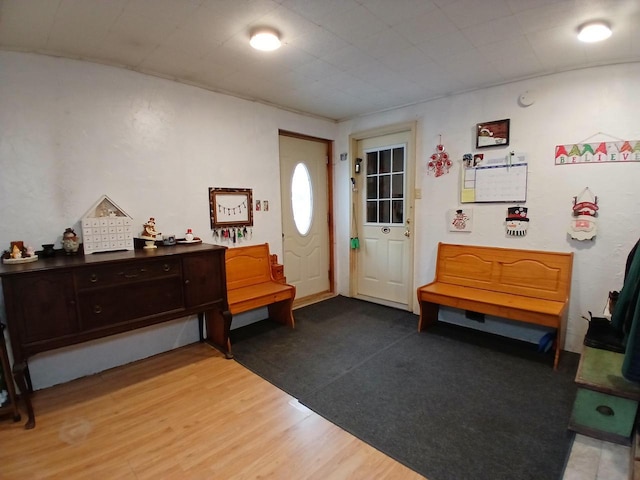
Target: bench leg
{"points": [[559, 344], [428, 315], [218, 327], [282, 312]]}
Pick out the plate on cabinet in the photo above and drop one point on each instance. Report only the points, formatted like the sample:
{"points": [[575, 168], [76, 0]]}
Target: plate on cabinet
{"points": [[182, 241], [32, 258]]}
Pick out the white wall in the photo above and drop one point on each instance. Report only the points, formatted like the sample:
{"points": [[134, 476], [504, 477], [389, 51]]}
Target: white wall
{"points": [[72, 131], [594, 104]]}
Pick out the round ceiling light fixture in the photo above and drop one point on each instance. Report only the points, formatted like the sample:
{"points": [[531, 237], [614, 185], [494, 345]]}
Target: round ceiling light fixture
{"points": [[265, 39], [594, 32]]}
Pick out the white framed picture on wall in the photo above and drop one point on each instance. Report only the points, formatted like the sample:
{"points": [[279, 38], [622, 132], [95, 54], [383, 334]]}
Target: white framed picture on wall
{"points": [[460, 219]]}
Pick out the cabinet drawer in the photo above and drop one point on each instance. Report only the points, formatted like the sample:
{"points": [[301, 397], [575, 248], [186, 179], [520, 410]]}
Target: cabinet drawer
{"points": [[104, 276], [603, 416], [124, 303]]}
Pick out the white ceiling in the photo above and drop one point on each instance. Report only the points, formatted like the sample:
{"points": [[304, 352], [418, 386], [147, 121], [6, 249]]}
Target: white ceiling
{"points": [[340, 58]]}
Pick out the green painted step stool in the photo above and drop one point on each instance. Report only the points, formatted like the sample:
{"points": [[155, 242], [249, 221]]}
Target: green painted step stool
{"points": [[606, 403]]}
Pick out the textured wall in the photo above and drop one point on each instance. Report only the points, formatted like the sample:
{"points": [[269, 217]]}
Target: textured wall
{"points": [[594, 104], [72, 131]]}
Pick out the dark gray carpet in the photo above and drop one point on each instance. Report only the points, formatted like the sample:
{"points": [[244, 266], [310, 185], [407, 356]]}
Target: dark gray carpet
{"points": [[450, 403]]}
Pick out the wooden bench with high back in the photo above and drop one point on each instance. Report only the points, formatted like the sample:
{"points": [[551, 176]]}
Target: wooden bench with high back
{"points": [[250, 284], [524, 285]]}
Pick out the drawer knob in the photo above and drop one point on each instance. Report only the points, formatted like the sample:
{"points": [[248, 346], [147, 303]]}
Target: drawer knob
{"points": [[97, 309], [166, 267], [605, 410], [93, 278]]}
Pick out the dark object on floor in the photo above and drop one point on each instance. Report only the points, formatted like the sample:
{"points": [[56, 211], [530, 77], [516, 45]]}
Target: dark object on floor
{"points": [[601, 334], [613, 299], [478, 317], [454, 404]]}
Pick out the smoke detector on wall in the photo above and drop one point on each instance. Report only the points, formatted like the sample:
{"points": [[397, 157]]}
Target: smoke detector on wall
{"points": [[527, 98]]}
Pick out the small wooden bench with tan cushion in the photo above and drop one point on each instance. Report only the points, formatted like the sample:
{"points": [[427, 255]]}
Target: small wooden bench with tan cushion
{"points": [[524, 285], [250, 284]]}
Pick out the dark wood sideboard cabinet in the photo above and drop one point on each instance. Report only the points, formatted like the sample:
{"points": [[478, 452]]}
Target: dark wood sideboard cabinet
{"points": [[65, 300]]}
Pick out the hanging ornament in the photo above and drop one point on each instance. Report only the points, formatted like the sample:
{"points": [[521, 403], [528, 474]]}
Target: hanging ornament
{"points": [[583, 225], [439, 162]]}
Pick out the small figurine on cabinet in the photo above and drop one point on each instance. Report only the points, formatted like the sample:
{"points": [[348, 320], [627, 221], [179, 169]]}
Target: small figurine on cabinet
{"points": [[70, 241], [149, 233], [16, 252]]}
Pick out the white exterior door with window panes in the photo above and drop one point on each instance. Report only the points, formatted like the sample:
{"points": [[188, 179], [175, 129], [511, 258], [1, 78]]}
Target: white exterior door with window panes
{"points": [[383, 260]]}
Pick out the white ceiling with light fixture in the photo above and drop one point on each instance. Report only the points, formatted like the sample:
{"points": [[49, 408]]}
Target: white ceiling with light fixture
{"points": [[339, 58]]}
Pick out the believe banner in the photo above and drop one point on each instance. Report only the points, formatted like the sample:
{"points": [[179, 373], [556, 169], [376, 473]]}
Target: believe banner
{"points": [[601, 152]]}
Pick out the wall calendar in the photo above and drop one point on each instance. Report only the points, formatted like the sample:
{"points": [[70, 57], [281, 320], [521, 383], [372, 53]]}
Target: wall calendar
{"points": [[501, 179]]}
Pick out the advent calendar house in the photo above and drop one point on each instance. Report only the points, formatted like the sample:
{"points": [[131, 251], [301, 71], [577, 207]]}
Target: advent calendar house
{"points": [[106, 227]]}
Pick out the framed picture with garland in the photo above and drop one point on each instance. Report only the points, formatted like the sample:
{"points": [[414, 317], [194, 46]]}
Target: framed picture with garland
{"points": [[231, 207]]}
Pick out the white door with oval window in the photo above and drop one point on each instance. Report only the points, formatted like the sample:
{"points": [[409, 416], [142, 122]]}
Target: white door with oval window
{"points": [[305, 231]]}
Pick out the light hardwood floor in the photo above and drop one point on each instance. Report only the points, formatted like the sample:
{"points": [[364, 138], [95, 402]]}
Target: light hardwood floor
{"points": [[187, 414]]}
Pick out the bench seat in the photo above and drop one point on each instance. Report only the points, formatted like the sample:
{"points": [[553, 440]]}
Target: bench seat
{"points": [[516, 307], [523, 285], [254, 296]]}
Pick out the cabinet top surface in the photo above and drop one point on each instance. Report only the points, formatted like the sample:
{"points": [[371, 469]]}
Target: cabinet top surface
{"points": [[71, 261]]}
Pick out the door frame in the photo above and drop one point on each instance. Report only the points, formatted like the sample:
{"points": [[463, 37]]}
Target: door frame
{"points": [[329, 186], [354, 138]]}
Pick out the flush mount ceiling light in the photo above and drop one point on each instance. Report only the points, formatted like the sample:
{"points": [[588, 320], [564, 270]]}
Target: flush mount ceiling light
{"points": [[265, 39], [594, 32]]}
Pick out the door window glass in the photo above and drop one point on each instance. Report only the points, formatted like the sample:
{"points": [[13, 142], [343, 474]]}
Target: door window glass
{"points": [[385, 199], [301, 198]]}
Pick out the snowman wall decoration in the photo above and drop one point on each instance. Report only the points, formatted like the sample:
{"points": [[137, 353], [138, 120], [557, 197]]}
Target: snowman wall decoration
{"points": [[517, 221], [583, 225]]}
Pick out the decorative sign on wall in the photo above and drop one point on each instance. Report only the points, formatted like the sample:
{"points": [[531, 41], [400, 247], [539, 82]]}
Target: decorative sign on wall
{"points": [[517, 221], [460, 220], [583, 225], [492, 134], [231, 207], [599, 152]]}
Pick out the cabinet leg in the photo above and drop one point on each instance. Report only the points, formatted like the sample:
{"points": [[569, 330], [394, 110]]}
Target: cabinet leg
{"points": [[201, 326], [20, 375], [218, 327]]}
